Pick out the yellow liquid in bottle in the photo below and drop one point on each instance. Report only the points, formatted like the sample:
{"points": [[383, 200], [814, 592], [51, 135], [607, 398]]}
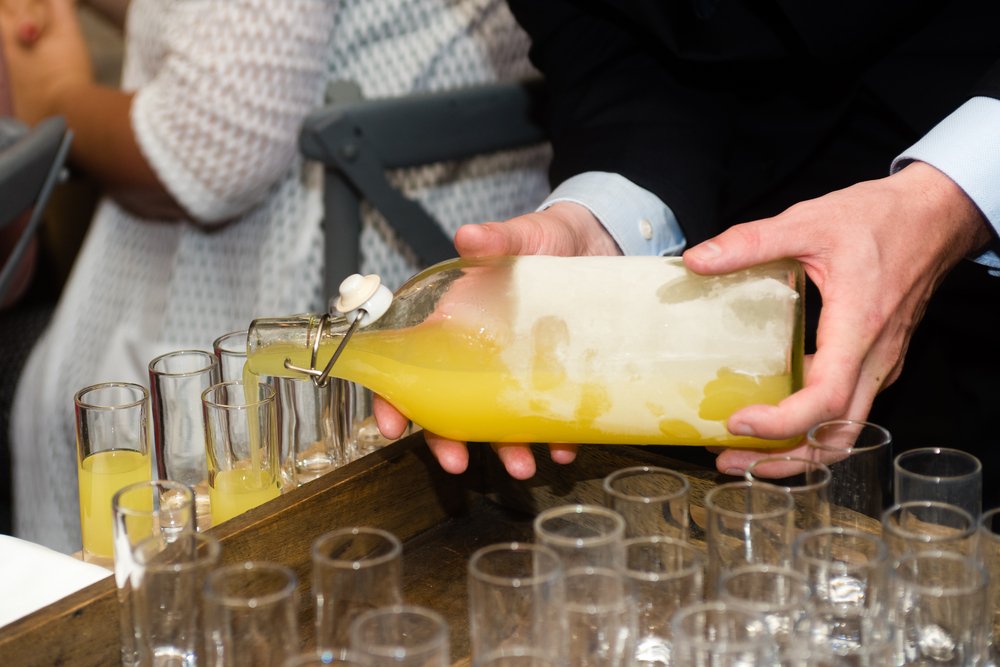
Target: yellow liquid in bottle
{"points": [[236, 491], [101, 476], [458, 383]]}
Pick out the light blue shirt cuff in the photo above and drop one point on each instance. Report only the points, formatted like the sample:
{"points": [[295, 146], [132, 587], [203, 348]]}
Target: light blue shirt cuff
{"points": [[638, 221], [966, 147]]}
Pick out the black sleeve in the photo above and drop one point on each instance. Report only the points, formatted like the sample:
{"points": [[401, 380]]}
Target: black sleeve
{"points": [[616, 106]]}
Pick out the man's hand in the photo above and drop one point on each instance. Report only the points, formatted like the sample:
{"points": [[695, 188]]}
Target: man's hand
{"points": [[563, 229], [876, 251]]}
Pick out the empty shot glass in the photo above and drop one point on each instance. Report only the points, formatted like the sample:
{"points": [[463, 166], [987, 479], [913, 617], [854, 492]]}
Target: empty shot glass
{"points": [[859, 455], [176, 381], [942, 474], [844, 567], [989, 556], [517, 605], [748, 523], [940, 608], [721, 634], [808, 481], [401, 636], [354, 570], [250, 615], [155, 513], [652, 500], [922, 525], [167, 613], [583, 535], [662, 575]]}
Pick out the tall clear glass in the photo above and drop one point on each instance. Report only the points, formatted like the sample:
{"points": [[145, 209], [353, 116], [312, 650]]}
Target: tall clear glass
{"points": [[942, 474], [721, 634], [780, 595], [844, 567], [112, 450], [922, 525], [177, 381], [748, 522], [652, 500], [859, 455], [989, 555], [241, 437], [250, 615], [354, 570], [402, 636], [517, 604], [156, 513], [808, 481]]}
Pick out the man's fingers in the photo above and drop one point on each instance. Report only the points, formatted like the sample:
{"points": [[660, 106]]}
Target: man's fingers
{"points": [[452, 456], [390, 422], [517, 459]]}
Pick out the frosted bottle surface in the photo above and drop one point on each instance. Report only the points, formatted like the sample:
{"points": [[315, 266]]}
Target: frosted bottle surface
{"points": [[629, 350]]}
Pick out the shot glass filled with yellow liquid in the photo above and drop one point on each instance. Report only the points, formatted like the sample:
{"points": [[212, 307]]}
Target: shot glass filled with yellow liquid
{"points": [[241, 439], [112, 446]]}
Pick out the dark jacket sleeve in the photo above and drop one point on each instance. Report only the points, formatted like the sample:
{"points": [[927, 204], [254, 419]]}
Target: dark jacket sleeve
{"points": [[614, 107]]}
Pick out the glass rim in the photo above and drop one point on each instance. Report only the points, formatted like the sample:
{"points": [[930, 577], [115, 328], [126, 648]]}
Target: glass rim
{"points": [[811, 440], [969, 564], [701, 643], [774, 489], [212, 360], [961, 534], [394, 552], [269, 396], [986, 516], [617, 522], [552, 573], [256, 601], [384, 650], [150, 484], [801, 488], [697, 562], [132, 386], [218, 345], [207, 549], [758, 569], [880, 557], [609, 479], [951, 451]]}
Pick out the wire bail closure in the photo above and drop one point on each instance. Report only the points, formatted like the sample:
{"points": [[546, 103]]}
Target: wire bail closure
{"points": [[362, 300], [321, 378]]}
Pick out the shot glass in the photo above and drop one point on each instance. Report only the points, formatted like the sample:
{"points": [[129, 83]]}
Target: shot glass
{"points": [[517, 605], [250, 615], [652, 500], [354, 570], [357, 431], [401, 636], [844, 567], [662, 575], [310, 442], [780, 595], [582, 535], [859, 455], [808, 481], [989, 556], [940, 608], [748, 523], [941, 474], [112, 449], [155, 513], [241, 439], [848, 636], [167, 613], [722, 635], [600, 619], [925, 525], [231, 351], [176, 381]]}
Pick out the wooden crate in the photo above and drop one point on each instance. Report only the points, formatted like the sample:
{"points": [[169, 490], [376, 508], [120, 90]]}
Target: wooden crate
{"points": [[440, 518]]}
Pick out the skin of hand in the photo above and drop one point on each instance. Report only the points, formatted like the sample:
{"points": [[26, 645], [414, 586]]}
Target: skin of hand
{"points": [[52, 75], [564, 229], [876, 250], [27, 19]]}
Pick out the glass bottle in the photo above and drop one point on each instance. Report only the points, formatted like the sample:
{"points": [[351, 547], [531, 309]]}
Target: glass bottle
{"points": [[614, 350]]}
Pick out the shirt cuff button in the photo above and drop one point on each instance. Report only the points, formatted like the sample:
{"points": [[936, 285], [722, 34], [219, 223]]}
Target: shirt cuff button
{"points": [[646, 229]]}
